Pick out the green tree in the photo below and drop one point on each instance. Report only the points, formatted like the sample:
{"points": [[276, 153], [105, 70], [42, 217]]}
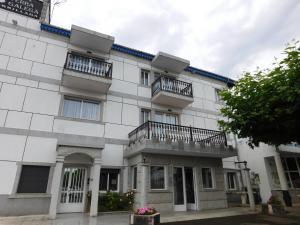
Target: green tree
{"points": [[265, 106]]}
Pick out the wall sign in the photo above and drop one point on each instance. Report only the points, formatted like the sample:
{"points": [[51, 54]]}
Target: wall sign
{"points": [[30, 8]]}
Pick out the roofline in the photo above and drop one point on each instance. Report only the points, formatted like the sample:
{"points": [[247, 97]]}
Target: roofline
{"points": [[140, 54]]}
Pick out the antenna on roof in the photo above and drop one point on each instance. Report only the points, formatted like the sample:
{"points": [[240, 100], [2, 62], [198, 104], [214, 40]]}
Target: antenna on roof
{"points": [[57, 3]]}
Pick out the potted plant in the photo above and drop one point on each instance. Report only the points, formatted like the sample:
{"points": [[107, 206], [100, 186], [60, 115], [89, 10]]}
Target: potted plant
{"points": [[145, 216], [273, 207]]}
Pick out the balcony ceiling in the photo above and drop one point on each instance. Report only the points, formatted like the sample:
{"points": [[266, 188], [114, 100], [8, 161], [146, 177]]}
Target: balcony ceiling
{"points": [[90, 39], [169, 62]]}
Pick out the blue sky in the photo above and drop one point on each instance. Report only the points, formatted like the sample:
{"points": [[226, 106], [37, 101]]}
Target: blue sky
{"points": [[227, 37]]}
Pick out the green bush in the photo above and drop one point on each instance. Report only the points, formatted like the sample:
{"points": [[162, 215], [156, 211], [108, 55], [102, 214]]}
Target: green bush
{"points": [[113, 201]]}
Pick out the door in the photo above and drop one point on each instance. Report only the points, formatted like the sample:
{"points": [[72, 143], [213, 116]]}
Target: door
{"points": [[73, 188], [184, 191], [190, 188]]}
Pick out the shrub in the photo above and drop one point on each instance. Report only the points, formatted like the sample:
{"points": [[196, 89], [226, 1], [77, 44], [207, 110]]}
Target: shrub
{"points": [[113, 201]]}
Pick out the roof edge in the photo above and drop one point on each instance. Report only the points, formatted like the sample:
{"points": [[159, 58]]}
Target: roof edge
{"points": [[137, 53]]}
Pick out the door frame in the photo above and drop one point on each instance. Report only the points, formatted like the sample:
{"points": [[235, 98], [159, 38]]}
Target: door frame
{"points": [[67, 207], [185, 206]]}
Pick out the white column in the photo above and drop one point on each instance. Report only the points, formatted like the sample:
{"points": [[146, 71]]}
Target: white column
{"points": [[55, 186], [143, 188], [95, 187], [249, 189], [280, 172]]}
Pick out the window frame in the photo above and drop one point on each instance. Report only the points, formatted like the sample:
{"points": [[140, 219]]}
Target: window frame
{"points": [[142, 115], [234, 181], [217, 95], [165, 178], [212, 172], [19, 176], [107, 184], [134, 170], [288, 172], [164, 116], [82, 99], [144, 72]]}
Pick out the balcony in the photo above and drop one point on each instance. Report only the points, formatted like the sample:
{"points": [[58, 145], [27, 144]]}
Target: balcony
{"points": [[169, 139], [87, 73], [172, 92]]}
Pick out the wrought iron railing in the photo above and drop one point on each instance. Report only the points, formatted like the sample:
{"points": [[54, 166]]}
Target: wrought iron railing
{"points": [[175, 133], [164, 83], [89, 65]]}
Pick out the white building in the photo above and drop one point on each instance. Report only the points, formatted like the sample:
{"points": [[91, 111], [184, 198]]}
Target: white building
{"points": [[273, 171], [74, 112]]}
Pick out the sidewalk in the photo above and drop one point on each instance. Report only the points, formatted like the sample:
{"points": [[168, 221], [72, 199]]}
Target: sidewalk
{"points": [[119, 219]]}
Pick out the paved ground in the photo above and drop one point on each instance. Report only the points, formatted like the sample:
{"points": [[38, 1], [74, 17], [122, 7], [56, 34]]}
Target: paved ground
{"points": [[231, 216]]}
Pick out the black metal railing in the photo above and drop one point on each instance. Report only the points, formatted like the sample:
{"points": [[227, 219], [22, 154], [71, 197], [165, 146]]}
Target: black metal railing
{"points": [[164, 83], [89, 65], [173, 133]]}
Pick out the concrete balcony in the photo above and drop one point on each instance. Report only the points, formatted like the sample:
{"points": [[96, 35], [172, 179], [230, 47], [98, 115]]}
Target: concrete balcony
{"points": [[87, 73], [168, 139], [293, 148], [172, 92]]}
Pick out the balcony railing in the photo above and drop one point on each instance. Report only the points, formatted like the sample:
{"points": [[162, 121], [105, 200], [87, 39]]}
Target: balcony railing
{"points": [[172, 85], [175, 133], [89, 65]]}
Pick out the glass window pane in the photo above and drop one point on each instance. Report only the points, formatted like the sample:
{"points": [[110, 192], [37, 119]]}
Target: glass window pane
{"points": [[288, 180], [145, 115], [171, 119], [295, 178], [157, 174], [113, 181], [207, 178], [90, 110], [158, 117], [103, 181], [284, 164], [134, 179], [291, 163], [72, 108], [33, 179], [231, 180]]}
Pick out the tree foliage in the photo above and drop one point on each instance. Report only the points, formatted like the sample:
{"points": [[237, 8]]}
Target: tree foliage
{"points": [[265, 106]]}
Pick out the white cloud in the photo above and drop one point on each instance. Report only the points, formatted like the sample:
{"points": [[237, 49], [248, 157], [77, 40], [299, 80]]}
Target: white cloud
{"points": [[223, 36]]}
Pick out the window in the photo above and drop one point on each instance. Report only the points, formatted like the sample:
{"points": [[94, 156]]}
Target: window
{"points": [[134, 178], [109, 180], [81, 109], [33, 179], [161, 117], [231, 181], [207, 178], [145, 115], [145, 77], [157, 176], [292, 171], [217, 93]]}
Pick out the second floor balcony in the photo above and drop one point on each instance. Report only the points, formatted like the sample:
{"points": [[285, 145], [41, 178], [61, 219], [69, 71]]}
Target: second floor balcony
{"points": [[163, 138], [87, 73], [172, 92]]}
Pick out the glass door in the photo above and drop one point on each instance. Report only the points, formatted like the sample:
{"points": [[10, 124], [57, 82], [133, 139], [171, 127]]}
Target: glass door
{"points": [[179, 189], [190, 188], [184, 189]]}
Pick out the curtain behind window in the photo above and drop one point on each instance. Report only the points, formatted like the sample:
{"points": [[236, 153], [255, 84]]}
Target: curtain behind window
{"points": [[72, 108], [90, 110]]}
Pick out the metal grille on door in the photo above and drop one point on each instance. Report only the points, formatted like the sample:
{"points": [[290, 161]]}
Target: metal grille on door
{"points": [[73, 185]]}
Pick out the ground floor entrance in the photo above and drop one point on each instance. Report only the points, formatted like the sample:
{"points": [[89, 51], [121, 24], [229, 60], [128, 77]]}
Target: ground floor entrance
{"points": [[184, 188], [73, 190]]}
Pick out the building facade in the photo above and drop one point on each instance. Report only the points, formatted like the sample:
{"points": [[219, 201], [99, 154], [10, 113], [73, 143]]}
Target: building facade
{"points": [[80, 114]]}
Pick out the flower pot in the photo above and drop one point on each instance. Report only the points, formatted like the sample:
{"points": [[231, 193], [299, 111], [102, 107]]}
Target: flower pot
{"points": [[153, 219]]}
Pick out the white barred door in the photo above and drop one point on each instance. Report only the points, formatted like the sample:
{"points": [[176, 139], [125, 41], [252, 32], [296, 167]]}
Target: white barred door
{"points": [[73, 189]]}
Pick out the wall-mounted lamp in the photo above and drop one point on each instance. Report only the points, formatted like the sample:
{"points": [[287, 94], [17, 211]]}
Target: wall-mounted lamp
{"points": [[15, 22], [144, 160], [169, 110], [89, 52]]}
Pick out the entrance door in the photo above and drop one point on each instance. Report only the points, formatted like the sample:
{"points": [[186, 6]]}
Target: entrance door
{"points": [[73, 186], [184, 194]]}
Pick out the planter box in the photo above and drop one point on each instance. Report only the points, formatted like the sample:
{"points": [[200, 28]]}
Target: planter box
{"points": [[269, 209], [144, 219]]}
